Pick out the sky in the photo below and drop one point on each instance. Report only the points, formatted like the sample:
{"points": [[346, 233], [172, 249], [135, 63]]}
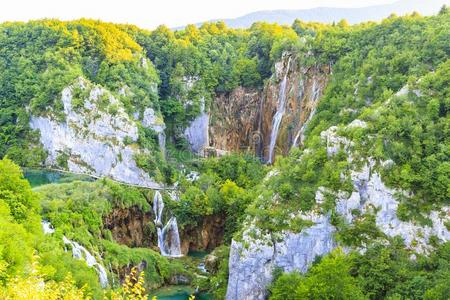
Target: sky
{"points": [[150, 13]]}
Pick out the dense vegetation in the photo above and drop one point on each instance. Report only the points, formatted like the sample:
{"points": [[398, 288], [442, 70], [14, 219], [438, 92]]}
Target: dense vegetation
{"points": [[371, 64], [394, 75], [40, 58], [22, 246], [383, 272], [77, 211], [223, 188]]}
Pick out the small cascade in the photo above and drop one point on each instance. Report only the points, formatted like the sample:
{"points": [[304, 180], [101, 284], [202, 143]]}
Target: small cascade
{"points": [[162, 143], [47, 227], [281, 107], [168, 236], [201, 267], [171, 239], [79, 252], [300, 137], [158, 207], [315, 93]]}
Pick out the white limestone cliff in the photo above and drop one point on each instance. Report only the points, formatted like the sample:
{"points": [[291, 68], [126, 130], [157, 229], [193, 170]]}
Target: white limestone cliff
{"points": [[95, 137], [251, 266]]}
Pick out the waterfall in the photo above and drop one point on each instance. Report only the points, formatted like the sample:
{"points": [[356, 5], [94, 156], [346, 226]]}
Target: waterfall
{"points": [[171, 239], [162, 142], [79, 252], [281, 107], [300, 137], [168, 236], [315, 93], [158, 207], [47, 227]]}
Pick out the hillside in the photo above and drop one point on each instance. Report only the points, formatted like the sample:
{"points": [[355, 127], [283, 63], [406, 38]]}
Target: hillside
{"points": [[335, 14], [227, 163]]}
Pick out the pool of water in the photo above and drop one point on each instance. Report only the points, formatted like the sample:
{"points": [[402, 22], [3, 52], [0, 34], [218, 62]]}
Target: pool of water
{"points": [[38, 177], [198, 254], [178, 293]]}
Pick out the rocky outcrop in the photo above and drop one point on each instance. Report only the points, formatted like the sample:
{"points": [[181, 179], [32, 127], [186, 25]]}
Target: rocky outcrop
{"points": [[135, 228], [243, 119], [207, 236], [95, 137], [155, 122], [251, 266], [132, 227], [235, 120], [197, 133]]}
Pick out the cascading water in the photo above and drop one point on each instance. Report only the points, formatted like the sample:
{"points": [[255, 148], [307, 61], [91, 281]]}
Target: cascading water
{"points": [[162, 143], [47, 227], [171, 238], [300, 137], [315, 93], [281, 107], [168, 236], [79, 252]]}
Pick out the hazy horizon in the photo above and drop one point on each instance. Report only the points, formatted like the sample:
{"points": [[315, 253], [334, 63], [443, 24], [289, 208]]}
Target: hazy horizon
{"points": [[170, 12]]}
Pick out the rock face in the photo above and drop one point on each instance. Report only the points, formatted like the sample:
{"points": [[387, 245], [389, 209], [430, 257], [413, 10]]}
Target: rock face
{"points": [[207, 236], [94, 137], [243, 119], [155, 122], [250, 269], [131, 227], [263, 121], [197, 133]]}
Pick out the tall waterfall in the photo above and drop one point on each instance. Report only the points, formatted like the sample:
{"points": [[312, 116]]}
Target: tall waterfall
{"points": [[168, 236], [79, 252], [281, 107]]}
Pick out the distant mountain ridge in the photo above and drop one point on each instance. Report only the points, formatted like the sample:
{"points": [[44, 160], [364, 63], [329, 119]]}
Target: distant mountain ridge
{"points": [[334, 14]]}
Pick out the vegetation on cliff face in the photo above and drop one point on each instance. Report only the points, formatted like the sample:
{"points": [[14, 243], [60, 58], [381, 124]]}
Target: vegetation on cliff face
{"points": [[224, 188], [394, 75], [383, 272], [76, 210]]}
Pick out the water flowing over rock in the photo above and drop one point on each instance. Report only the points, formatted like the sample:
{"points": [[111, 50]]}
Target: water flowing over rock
{"points": [[315, 94], [249, 119], [92, 138], [47, 227], [281, 108], [171, 239], [168, 236], [79, 252]]}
